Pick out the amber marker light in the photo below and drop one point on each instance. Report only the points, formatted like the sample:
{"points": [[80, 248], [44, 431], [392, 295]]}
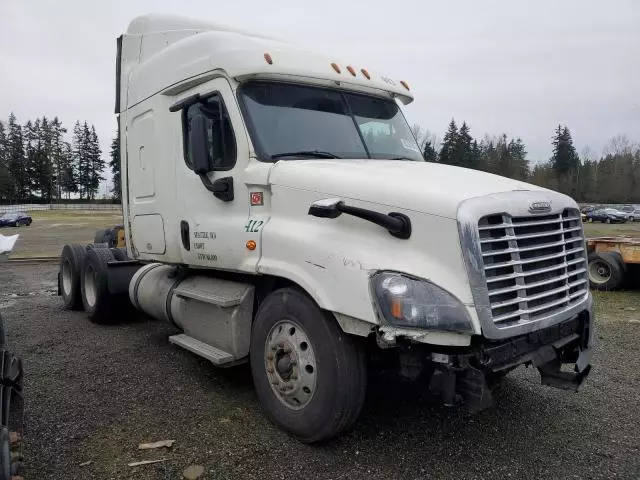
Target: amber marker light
{"points": [[251, 245], [268, 59], [365, 72], [352, 70], [404, 84], [336, 67]]}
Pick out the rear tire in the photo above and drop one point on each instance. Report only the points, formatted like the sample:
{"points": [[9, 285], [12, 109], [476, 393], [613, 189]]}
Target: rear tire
{"points": [[71, 265], [606, 271], [321, 391], [96, 298]]}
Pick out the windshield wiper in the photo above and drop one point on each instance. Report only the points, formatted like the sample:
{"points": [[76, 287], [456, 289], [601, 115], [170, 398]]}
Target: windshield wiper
{"points": [[403, 158], [306, 153]]}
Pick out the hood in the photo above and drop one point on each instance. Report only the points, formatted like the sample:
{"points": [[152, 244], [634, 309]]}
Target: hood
{"points": [[420, 186]]}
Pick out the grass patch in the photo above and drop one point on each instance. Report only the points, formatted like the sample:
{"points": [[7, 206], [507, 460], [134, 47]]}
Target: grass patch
{"points": [[629, 229]]}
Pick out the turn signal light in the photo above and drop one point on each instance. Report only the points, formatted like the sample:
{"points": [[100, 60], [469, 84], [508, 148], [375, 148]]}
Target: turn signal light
{"points": [[251, 245], [365, 73], [396, 309], [336, 67], [352, 70], [268, 58]]}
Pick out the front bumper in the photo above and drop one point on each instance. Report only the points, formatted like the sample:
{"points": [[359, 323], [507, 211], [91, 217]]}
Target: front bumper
{"points": [[468, 375]]}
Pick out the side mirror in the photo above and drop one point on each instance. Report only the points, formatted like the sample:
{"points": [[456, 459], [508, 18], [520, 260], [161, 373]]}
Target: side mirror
{"points": [[199, 144]]}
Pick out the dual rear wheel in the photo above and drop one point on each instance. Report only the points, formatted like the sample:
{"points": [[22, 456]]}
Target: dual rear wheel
{"points": [[83, 282]]}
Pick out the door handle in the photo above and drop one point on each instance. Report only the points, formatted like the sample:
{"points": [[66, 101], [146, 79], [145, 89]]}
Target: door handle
{"points": [[184, 234]]}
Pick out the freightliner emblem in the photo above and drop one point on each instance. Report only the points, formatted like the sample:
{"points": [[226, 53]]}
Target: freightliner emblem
{"points": [[540, 207]]}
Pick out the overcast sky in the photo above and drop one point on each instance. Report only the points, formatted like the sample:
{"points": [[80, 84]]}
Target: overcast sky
{"points": [[519, 67]]}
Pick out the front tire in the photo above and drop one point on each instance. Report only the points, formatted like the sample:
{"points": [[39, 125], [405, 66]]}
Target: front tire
{"points": [[309, 375]]}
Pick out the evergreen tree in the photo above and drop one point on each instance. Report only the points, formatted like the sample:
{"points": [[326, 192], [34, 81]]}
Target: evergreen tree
{"points": [[114, 163], [42, 174], [476, 156], [6, 182], [57, 154], [96, 162], [68, 179], [448, 148], [429, 153], [565, 159], [463, 155], [31, 137], [16, 159], [518, 158], [81, 158]]}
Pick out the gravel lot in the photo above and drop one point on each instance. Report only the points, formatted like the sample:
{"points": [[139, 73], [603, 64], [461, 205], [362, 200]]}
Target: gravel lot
{"points": [[94, 392]]}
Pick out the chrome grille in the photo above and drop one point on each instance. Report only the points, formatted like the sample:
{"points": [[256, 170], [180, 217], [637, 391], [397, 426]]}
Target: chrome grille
{"points": [[535, 266]]}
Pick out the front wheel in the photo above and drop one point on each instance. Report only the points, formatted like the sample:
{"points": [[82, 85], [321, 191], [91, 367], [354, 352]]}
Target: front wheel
{"points": [[309, 375]]}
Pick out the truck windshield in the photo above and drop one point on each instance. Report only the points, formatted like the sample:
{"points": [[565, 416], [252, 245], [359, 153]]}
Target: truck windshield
{"points": [[295, 121]]}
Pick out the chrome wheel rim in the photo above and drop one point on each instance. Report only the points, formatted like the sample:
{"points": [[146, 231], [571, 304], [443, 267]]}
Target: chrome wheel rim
{"points": [[90, 286], [290, 364], [599, 272], [66, 278]]}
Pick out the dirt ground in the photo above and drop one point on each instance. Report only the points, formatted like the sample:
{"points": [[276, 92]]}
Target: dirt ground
{"points": [[93, 393]]}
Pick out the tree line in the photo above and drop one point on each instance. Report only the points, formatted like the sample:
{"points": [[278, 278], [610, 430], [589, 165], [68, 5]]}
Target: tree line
{"points": [[613, 177], [39, 162]]}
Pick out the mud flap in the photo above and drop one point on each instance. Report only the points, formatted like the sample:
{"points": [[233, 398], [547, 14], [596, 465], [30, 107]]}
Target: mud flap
{"points": [[472, 385]]}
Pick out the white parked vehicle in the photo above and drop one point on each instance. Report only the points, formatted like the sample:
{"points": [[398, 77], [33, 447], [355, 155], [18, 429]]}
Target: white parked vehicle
{"points": [[278, 211]]}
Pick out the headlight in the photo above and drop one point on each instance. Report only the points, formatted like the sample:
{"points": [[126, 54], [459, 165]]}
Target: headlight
{"points": [[409, 302]]}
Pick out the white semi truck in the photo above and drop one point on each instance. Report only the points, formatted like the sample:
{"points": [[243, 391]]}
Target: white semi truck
{"points": [[277, 211]]}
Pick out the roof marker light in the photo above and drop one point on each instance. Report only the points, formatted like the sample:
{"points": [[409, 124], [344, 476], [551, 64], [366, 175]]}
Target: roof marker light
{"points": [[404, 84], [365, 73], [268, 58], [352, 70], [336, 67]]}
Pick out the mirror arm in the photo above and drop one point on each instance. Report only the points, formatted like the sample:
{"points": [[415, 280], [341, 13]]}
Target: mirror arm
{"points": [[222, 188]]}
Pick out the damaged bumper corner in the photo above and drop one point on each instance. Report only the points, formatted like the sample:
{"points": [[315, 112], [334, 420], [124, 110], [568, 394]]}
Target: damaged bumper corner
{"points": [[561, 353]]}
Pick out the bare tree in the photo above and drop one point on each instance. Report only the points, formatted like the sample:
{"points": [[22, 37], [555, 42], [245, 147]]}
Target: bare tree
{"points": [[424, 136], [619, 145]]}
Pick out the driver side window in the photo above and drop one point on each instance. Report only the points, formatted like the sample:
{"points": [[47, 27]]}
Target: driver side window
{"points": [[221, 140]]}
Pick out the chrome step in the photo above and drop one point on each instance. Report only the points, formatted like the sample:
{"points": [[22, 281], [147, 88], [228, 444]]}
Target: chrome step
{"points": [[213, 354]]}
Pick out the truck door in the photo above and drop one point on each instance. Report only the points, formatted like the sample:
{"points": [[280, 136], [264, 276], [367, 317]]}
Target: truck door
{"points": [[214, 205]]}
